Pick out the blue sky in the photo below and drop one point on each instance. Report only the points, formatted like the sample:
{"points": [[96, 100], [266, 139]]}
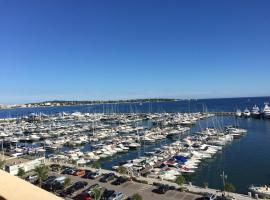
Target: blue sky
{"points": [[115, 49]]}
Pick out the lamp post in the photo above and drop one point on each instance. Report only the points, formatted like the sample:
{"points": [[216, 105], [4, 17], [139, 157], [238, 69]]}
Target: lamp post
{"points": [[224, 177], [2, 147]]}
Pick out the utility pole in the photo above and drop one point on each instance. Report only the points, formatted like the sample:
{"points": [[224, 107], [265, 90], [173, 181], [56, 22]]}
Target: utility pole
{"points": [[224, 177], [2, 147]]}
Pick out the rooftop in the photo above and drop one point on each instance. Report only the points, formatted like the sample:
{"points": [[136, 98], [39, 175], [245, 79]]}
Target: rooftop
{"points": [[24, 190]]}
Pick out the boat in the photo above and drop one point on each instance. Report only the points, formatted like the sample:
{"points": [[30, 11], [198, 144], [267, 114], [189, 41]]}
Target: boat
{"points": [[34, 137], [266, 110], [246, 113], [147, 140], [255, 112], [263, 191], [238, 113], [134, 145]]}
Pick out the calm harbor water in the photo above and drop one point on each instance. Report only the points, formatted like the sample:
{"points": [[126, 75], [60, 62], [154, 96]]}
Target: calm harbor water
{"points": [[211, 105], [246, 161]]}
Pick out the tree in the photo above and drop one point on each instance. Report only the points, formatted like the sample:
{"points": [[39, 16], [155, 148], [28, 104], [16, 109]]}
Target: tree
{"points": [[122, 170], [67, 182], [180, 180], [136, 196], [205, 184], [21, 172], [2, 164], [229, 187], [42, 173], [96, 165], [97, 193]]}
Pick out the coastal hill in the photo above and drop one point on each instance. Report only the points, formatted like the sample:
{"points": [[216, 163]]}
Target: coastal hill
{"points": [[84, 102]]}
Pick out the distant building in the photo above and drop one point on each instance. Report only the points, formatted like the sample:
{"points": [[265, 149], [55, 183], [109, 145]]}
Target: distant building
{"points": [[13, 164]]}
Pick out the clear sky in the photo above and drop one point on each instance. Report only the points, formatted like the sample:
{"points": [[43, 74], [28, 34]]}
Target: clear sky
{"points": [[114, 49]]}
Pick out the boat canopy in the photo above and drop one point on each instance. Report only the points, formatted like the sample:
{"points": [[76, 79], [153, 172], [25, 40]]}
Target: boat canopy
{"points": [[181, 158]]}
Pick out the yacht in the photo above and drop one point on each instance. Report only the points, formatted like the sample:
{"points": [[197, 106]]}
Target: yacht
{"points": [[266, 111], [255, 112], [246, 113]]}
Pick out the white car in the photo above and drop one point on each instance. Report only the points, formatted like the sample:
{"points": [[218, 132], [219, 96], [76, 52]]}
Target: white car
{"points": [[116, 196]]}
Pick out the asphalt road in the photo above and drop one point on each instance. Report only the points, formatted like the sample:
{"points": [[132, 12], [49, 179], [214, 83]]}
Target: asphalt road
{"points": [[130, 187]]}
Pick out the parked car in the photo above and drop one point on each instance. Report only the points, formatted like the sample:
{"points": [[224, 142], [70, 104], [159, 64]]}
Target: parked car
{"points": [[107, 177], [94, 175], [32, 179], [79, 172], [47, 184], [83, 196], [116, 196], [224, 198], [68, 171], [58, 183], [162, 189], [53, 183], [73, 188], [120, 180], [208, 196], [106, 194], [86, 173], [90, 188]]}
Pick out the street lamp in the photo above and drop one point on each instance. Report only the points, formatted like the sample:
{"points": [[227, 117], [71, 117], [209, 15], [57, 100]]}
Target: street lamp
{"points": [[224, 177]]}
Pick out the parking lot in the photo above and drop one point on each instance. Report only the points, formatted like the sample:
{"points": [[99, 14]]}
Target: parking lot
{"points": [[131, 187]]}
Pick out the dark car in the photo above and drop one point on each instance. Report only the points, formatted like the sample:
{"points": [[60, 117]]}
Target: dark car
{"points": [[86, 173], [68, 171], [94, 175], [162, 189], [73, 188], [48, 184], [107, 177], [106, 194], [58, 186], [120, 180]]}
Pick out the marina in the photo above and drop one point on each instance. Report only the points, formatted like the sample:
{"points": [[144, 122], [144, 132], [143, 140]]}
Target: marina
{"points": [[197, 145]]}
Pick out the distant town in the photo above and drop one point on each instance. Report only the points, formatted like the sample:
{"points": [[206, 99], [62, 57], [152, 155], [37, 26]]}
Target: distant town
{"points": [[73, 103]]}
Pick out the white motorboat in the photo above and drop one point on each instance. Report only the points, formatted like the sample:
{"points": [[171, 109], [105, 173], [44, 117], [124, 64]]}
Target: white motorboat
{"points": [[147, 140], [246, 113], [134, 145], [34, 137], [266, 111], [255, 112]]}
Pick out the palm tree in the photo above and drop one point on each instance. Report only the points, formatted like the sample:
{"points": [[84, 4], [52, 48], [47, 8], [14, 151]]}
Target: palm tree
{"points": [[2, 164], [122, 170], [136, 196], [67, 182], [97, 193], [180, 180], [42, 173], [21, 172], [229, 187]]}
